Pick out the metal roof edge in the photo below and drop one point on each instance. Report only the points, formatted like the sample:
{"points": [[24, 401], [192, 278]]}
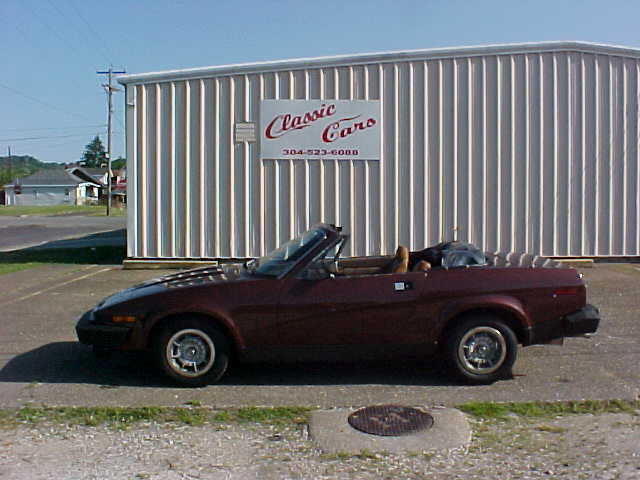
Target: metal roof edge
{"points": [[359, 59], [65, 185], [83, 176]]}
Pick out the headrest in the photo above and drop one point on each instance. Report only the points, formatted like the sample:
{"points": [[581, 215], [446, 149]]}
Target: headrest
{"points": [[402, 253]]}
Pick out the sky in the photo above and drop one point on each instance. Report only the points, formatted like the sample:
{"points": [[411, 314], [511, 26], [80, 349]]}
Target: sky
{"points": [[51, 99]]}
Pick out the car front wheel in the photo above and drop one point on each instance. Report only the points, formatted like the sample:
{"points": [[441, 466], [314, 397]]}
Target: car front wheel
{"points": [[482, 349], [192, 354]]}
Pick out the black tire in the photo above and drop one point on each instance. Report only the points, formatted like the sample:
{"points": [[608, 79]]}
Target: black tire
{"points": [[192, 353], [481, 349]]}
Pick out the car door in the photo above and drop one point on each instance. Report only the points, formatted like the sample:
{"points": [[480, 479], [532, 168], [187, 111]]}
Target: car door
{"points": [[393, 314], [320, 312], [352, 310]]}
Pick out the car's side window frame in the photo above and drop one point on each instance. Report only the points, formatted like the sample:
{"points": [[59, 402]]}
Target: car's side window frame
{"points": [[303, 273]]}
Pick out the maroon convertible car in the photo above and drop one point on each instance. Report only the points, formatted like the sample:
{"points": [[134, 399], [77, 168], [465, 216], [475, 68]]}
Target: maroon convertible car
{"points": [[302, 301]]}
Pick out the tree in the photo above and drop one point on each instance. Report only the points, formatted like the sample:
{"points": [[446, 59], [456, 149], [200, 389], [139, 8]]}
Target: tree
{"points": [[118, 163], [18, 166], [94, 154], [6, 176]]}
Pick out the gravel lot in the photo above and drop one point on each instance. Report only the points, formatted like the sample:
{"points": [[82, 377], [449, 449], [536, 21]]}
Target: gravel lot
{"points": [[602, 447], [42, 363]]}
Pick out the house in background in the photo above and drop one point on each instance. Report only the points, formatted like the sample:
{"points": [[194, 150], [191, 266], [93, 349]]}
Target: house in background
{"points": [[74, 186], [119, 189], [99, 174]]}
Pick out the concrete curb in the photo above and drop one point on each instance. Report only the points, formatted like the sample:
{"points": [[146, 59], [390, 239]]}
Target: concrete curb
{"points": [[331, 431]]}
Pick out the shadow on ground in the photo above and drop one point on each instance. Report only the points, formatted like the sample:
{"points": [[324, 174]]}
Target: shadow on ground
{"points": [[72, 362], [106, 248]]}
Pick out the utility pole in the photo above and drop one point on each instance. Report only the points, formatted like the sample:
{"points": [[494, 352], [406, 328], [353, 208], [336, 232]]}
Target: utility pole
{"points": [[109, 88], [10, 164]]}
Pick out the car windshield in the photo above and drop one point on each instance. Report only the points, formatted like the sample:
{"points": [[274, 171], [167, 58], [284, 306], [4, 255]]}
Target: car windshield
{"points": [[283, 258]]}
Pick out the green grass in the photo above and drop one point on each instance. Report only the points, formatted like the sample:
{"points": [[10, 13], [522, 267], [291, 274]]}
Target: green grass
{"points": [[492, 410], [18, 260], [274, 415], [91, 416], [16, 267], [551, 429], [124, 416], [27, 258], [52, 210]]}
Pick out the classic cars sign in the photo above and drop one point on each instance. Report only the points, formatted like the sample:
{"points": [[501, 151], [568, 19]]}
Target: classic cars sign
{"points": [[315, 129]]}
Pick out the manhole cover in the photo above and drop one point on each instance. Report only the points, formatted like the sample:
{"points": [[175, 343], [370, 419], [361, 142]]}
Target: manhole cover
{"points": [[390, 420]]}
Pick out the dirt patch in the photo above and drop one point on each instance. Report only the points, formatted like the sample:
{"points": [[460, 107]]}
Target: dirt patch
{"points": [[604, 446]]}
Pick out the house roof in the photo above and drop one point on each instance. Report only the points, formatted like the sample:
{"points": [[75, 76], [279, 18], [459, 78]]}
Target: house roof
{"points": [[86, 175], [95, 171], [52, 176], [380, 57]]}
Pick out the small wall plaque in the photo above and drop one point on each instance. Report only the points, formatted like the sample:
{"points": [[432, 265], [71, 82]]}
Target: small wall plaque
{"points": [[245, 132]]}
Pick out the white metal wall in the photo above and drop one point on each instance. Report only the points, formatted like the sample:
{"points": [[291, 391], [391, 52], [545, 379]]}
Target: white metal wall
{"points": [[532, 152]]}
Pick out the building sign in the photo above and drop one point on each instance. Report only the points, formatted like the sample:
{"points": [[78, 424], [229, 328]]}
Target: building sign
{"points": [[315, 129], [245, 132]]}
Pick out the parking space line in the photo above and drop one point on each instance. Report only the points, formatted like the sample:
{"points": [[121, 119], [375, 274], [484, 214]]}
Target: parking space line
{"points": [[7, 293], [82, 277]]}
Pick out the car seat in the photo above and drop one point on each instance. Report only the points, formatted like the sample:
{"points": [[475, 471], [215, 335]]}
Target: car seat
{"points": [[421, 266], [400, 263]]}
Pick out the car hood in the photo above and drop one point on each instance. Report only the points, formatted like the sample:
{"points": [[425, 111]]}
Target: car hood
{"points": [[186, 279], [198, 276]]}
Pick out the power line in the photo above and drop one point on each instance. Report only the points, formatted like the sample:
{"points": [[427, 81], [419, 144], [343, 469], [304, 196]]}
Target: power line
{"points": [[104, 45], [51, 128], [27, 139], [71, 45], [82, 33], [69, 22], [38, 47], [119, 122], [53, 107]]}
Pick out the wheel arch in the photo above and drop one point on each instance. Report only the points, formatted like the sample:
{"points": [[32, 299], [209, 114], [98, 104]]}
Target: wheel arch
{"points": [[511, 319], [223, 326]]}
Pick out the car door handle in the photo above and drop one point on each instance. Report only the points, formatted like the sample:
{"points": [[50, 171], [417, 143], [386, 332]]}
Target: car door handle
{"points": [[402, 286]]}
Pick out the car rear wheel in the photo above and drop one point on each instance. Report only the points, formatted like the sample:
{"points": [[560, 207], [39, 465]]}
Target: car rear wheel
{"points": [[482, 349], [191, 353]]}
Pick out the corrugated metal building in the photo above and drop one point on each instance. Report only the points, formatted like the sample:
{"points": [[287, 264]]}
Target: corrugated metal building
{"points": [[530, 147]]}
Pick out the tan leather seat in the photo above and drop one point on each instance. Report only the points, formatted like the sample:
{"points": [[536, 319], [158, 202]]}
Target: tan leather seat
{"points": [[421, 266], [400, 264]]}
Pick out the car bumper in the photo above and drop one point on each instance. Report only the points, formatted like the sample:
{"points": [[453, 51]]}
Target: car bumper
{"points": [[576, 324], [582, 322], [100, 335]]}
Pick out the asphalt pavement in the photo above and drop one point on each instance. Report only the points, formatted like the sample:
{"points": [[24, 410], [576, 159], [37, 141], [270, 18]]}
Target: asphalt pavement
{"points": [[33, 230], [42, 363]]}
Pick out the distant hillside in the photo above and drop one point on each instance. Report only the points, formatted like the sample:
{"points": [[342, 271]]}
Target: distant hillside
{"points": [[27, 162], [21, 166]]}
